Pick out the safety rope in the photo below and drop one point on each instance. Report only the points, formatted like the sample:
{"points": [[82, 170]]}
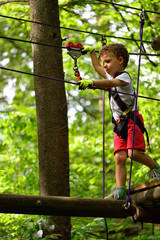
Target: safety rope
{"points": [[104, 41], [74, 83], [129, 200]]}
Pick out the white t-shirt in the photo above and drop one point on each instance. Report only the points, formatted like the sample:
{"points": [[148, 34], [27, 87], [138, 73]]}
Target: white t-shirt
{"points": [[127, 99]]}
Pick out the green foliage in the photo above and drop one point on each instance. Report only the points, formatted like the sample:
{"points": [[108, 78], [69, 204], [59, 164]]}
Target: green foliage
{"points": [[18, 136]]}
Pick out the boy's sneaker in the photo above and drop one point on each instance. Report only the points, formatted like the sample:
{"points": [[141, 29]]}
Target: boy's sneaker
{"points": [[154, 173], [118, 194]]}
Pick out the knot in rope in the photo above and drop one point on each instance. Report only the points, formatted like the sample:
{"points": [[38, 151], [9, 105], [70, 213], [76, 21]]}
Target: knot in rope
{"points": [[142, 21]]}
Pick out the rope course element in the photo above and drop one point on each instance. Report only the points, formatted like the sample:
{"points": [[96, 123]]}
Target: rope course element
{"points": [[128, 202]]}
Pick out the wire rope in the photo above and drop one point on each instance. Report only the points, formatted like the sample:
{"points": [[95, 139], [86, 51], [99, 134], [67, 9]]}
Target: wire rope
{"points": [[77, 30], [63, 47], [126, 6]]}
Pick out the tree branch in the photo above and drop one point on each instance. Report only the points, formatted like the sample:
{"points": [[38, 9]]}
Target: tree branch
{"points": [[10, 1]]}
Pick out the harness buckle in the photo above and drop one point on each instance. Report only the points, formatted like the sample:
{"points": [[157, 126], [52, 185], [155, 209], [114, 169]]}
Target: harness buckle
{"points": [[127, 111]]}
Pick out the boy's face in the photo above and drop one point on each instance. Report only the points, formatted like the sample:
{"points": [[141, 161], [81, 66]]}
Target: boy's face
{"points": [[111, 63]]}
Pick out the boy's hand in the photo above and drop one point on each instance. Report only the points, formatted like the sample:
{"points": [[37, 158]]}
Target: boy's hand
{"points": [[87, 48], [83, 84]]}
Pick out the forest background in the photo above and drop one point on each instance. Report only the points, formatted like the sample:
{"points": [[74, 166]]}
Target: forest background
{"points": [[18, 135]]}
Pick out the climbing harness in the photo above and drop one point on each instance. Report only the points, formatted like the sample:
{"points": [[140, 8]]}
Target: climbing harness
{"points": [[121, 127], [75, 51]]}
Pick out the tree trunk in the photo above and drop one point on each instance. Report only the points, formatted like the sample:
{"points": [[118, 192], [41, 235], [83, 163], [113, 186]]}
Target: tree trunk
{"points": [[51, 107]]}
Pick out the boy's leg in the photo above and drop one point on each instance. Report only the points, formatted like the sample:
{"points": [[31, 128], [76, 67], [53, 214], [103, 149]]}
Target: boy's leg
{"points": [[120, 192], [121, 175], [139, 143], [146, 160], [142, 158]]}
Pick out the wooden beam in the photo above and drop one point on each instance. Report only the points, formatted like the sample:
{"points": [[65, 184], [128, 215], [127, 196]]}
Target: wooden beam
{"points": [[63, 206]]}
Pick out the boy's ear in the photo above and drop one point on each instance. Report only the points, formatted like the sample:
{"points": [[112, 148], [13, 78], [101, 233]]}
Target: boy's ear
{"points": [[121, 60]]}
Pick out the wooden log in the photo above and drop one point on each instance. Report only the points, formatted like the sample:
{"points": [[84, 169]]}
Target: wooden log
{"points": [[63, 206], [147, 197], [147, 215]]}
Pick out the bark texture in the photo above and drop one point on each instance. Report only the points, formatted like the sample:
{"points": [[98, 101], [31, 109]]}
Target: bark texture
{"points": [[51, 106]]}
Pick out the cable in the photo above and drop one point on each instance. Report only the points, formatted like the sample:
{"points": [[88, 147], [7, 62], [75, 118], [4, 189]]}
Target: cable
{"points": [[126, 6], [74, 83], [37, 75], [63, 47], [27, 41], [77, 30]]}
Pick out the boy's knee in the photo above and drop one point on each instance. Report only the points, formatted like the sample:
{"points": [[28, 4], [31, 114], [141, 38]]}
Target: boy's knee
{"points": [[121, 157], [135, 153]]}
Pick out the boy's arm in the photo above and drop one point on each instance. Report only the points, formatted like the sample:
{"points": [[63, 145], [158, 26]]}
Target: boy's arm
{"points": [[102, 83], [95, 61], [96, 64], [105, 83]]}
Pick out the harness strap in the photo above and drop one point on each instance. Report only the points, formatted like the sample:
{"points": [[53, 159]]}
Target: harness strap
{"points": [[118, 100], [141, 126], [127, 112]]}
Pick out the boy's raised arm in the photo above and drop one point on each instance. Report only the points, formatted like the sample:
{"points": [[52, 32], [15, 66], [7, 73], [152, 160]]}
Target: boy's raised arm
{"points": [[96, 64], [95, 61]]}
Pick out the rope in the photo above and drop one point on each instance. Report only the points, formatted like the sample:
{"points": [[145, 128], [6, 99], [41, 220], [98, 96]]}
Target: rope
{"points": [[63, 47], [104, 41], [37, 75], [126, 6], [103, 143], [73, 29], [136, 99], [74, 83], [27, 41]]}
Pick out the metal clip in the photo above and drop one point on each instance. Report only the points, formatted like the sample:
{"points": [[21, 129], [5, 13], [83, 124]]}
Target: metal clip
{"points": [[127, 205], [142, 14], [103, 40]]}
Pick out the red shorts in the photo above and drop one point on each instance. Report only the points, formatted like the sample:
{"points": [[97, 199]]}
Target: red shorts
{"points": [[139, 142]]}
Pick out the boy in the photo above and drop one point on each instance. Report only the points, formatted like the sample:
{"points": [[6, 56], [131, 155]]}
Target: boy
{"points": [[115, 58]]}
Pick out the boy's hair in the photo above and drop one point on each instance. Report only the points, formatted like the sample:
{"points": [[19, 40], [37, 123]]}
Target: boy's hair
{"points": [[118, 49]]}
